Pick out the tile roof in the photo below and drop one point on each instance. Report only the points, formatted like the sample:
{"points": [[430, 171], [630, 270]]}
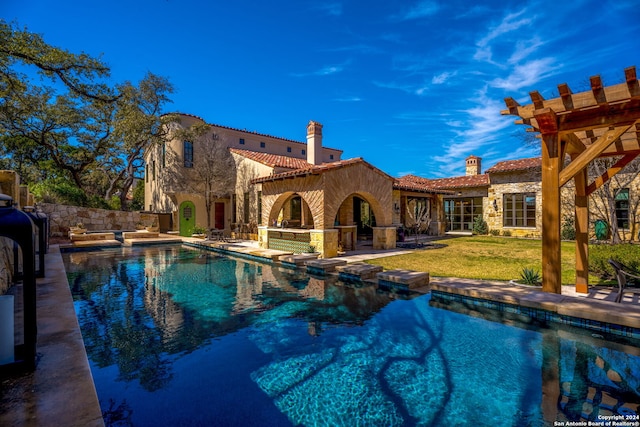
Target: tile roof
{"points": [[318, 170], [465, 181], [245, 131], [516, 165], [416, 183], [273, 160]]}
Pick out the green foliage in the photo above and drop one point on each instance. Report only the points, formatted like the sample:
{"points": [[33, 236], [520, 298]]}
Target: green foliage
{"points": [[114, 203], [480, 226], [63, 193], [137, 204], [494, 232], [506, 233], [568, 231], [311, 249], [599, 255], [198, 229], [530, 276]]}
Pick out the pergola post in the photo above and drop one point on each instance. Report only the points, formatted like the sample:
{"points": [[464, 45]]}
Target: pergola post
{"points": [[551, 252], [582, 232]]}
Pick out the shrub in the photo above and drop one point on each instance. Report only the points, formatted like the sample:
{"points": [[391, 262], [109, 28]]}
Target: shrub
{"points": [[494, 232], [530, 276], [480, 226], [63, 193], [506, 233], [198, 229], [599, 255], [568, 231]]}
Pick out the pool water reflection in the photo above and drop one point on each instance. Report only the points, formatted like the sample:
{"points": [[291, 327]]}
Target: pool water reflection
{"points": [[177, 336]]}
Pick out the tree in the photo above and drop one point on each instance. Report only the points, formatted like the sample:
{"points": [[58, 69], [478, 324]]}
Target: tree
{"points": [[138, 123], [417, 217], [93, 135], [604, 200], [212, 175]]}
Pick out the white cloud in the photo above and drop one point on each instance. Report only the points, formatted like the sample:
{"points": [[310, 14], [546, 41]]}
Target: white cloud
{"points": [[324, 71], [527, 74], [441, 78], [349, 99], [483, 128], [420, 10], [509, 23], [524, 48]]}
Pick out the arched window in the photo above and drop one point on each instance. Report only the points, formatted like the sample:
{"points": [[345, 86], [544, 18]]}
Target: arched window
{"points": [[187, 152]]}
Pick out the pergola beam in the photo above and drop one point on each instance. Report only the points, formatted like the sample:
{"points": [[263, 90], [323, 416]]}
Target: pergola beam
{"points": [[592, 152], [611, 172]]}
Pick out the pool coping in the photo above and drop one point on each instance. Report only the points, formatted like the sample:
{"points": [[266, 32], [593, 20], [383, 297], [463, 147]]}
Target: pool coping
{"points": [[61, 390]]}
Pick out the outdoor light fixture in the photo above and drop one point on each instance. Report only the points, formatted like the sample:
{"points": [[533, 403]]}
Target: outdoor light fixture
{"points": [[495, 205], [396, 208]]}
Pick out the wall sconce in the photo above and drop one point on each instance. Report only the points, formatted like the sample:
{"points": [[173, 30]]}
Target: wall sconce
{"points": [[396, 208], [495, 205], [459, 193]]}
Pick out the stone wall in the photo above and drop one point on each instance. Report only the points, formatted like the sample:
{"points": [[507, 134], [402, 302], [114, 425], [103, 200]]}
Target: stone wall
{"points": [[509, 183], [62, 217]]}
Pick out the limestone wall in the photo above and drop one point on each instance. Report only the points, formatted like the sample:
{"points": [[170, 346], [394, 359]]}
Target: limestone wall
{"points": [[62, 217]]}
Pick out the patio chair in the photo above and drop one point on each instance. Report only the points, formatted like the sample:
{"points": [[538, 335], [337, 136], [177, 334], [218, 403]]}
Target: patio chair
{"points": [[623, 276]]}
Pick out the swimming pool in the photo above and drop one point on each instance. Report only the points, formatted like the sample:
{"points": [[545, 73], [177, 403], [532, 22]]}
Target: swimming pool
{"points": [[179, 336]]}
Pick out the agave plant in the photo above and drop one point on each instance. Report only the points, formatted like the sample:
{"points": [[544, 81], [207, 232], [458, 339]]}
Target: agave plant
{"points": [[530, 276]]}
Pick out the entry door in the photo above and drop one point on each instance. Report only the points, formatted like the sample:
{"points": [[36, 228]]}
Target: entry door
{"points": [[187, 218], [219, 215]]}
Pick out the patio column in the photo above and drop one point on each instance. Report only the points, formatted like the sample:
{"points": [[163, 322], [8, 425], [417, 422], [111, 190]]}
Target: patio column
{"points": [[551, 165], [582, 232]]}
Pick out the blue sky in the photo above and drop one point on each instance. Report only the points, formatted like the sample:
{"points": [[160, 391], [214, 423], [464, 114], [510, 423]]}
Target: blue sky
{"points": [[410, 86]]}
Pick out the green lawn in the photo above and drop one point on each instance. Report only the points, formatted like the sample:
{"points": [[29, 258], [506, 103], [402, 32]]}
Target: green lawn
{"points": [[482, 257]]}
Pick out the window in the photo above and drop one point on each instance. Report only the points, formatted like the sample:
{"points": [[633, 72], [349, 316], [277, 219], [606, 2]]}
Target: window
{"points": [[622, 208], [246, 208], [187, 152], [259, 207], [262, 144], [519, 210], [153, 170], [331, 156], [461, 212], [241, 141], [288, 149], [146, 175], [164, 155], [234, 209], [304, 152]]}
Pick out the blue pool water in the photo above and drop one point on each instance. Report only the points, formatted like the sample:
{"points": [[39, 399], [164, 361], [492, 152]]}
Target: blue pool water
{"points": [[177, 336]]}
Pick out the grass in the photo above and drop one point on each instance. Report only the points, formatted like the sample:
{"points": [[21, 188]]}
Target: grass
{"points": [[483, 257]]}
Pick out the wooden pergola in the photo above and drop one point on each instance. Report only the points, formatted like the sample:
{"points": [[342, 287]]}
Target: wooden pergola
{"points": [[577, 128]]}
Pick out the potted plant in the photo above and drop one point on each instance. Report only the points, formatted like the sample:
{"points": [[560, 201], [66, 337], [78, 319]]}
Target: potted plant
{"points": [[154, 226], [139, 226], [199, 231], [78, 229]]}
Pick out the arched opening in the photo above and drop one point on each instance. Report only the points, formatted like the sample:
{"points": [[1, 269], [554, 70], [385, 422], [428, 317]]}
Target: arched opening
{"points": [[291, 211]]}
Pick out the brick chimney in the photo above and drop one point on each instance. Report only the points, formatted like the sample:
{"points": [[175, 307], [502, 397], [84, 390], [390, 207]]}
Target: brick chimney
{"points": [[314, 143], [474, 165]]}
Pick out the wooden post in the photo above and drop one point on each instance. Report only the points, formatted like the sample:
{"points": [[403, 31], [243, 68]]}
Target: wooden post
{"points": [[582, 232], [551, 164]]}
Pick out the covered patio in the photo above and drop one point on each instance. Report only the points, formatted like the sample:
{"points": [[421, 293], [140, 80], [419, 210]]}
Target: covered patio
{"points": [[324, 207], [576, 129]]}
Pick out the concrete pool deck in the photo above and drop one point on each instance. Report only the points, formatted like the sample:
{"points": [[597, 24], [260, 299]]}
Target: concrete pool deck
{"points": [[61, 390]]}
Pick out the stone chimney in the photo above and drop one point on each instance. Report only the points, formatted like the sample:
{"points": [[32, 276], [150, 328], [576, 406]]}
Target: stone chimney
{"points": [[474, 165], [314, 143]]}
